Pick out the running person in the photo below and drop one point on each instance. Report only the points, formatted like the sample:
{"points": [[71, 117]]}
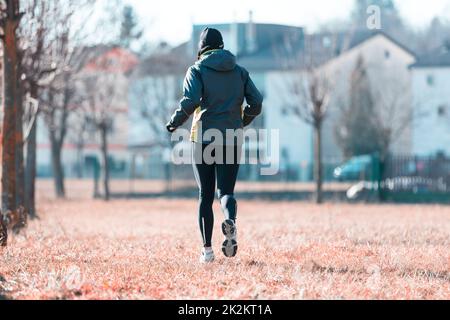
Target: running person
{"points": [[214, 91]]}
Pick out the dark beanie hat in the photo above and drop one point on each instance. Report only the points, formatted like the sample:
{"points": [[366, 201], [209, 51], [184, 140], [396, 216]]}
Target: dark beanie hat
{"points": [[210, 39]]}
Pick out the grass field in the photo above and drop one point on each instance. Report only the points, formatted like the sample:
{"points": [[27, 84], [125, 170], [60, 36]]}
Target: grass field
{"points": [[149, 249]]}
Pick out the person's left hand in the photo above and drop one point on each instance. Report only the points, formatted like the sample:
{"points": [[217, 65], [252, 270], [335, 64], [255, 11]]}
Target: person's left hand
{"points": [[247, 120]]}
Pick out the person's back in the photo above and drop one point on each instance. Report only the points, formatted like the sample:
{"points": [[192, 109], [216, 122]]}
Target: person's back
{"points": [[224, 85], [215, 88]]}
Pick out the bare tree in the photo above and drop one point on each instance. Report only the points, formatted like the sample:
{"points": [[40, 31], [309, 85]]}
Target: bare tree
{"points": [[311, 92], [355, 131], [393, 105], [377, 113], [101, 91], [51, 32], [31, 66], [431, 38], [310, 89], [77, 135], [61, 91], [35, 66], [10, 21]]}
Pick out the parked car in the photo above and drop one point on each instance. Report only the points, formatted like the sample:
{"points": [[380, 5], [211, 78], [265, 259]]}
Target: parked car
{"points": [[356, 169]]}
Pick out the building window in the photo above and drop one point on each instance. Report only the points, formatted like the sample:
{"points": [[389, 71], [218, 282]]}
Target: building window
{"points": [[430, 80], [442, 111], [387, 54], [326, 42]]}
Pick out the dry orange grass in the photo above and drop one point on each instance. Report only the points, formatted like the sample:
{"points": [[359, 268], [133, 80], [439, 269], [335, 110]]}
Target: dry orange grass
{"points": [[148, 249]]}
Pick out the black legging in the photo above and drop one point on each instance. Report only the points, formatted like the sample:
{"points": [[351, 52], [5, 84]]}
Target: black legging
{"points": [[205, 171]]}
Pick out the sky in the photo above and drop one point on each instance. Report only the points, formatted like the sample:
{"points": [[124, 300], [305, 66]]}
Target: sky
{"points": [[171, 20]]}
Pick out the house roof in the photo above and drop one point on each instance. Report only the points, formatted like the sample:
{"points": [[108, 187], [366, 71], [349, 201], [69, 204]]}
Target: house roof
{"points": [[360, 36], [438, 58], [278, 48], [319, 47]]}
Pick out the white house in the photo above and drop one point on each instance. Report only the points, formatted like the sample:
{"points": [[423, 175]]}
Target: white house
{"points": [[386, 63], [431, 102]]}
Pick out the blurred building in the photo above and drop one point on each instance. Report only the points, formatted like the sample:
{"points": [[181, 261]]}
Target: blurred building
{"points": [[431, 103]]}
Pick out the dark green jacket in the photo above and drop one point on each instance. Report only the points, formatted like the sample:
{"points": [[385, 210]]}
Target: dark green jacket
{"points": [[215, 88]]}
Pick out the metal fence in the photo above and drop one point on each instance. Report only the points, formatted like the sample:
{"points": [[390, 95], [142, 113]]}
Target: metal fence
{"points": [[432, 173], [416, 179]]}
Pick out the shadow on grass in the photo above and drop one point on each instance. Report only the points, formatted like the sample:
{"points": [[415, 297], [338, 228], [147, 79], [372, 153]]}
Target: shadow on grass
{"points": [[314, 267], [192, 193], [438, 275]]}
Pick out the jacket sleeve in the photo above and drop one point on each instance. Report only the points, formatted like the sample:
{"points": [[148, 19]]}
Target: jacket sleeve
{"points": [[192, 96], [254, 100]]}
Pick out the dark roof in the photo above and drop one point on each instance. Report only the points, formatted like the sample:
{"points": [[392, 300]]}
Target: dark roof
{"points": [[439, 58], [279, 55], [272, 42], [265, 35], [278, 48]]}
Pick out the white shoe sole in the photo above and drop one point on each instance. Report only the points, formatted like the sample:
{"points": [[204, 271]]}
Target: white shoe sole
{"points": [[229, 246], [203, 261], [206, 261]]}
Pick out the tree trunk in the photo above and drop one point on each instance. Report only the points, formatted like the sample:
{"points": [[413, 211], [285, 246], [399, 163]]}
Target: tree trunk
{"points": [[318, 162], [30, 173], [80, 160], [105, 161], [58, 170], [3, 234], [97, 170], [57, 136], [11, 105], [381, 176], [20, 169]]}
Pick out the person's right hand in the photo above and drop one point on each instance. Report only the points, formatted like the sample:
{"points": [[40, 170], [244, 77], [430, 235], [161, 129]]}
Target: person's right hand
{"points": [[170, 128]]}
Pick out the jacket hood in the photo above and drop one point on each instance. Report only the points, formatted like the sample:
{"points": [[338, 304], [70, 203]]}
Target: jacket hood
{"points": [[219, 60]]}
